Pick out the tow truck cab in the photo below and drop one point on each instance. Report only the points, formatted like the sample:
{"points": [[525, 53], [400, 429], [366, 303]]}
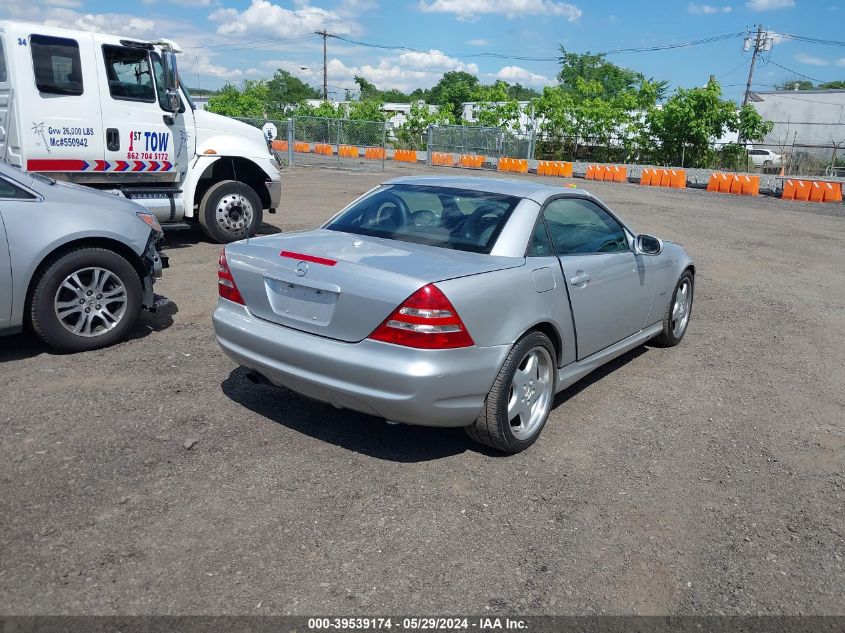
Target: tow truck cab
{"points": [[110, 112]]}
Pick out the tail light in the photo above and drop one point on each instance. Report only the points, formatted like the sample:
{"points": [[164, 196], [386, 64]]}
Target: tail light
{"points": [[426, 320], [226, 286]]}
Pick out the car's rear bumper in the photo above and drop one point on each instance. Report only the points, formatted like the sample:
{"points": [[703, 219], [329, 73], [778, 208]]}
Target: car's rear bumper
{"points": [[426, 387]]}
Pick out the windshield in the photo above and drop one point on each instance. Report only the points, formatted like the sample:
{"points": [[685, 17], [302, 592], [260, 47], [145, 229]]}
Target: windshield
{"points": [[460, 219]]}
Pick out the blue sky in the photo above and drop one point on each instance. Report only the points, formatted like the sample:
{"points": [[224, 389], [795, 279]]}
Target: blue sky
{"points": [[233, 40]]}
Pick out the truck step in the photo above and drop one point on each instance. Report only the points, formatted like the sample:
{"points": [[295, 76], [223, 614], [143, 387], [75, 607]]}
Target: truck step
{"points": [[177, 226]]}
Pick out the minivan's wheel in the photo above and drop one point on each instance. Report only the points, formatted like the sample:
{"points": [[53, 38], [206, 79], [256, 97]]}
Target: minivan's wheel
{"points": [[678, 313], [518, 405], [86, 299], [230, 211], [767, 163]]}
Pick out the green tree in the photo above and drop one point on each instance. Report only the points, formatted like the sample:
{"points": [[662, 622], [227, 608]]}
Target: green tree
{"points": [[751, 126], [369, 110], [249, 102], [593, 68], [495, 106], [326, 110], [688, 123], [412, 134], [833, 85], [284, 90], [454, 88], [369, 91], [519, 92], [596, 104]]}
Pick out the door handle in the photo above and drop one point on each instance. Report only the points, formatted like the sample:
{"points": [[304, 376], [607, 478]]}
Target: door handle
{"points": [[112, 139], [580, 278]]}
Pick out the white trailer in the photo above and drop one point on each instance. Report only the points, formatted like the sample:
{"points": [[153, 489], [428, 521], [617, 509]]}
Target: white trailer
{"points": [[110, 112]]}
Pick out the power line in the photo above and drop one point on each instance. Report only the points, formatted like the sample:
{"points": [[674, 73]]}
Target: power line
{"points": [[813, 40], [666, 47], [795, 72], [644, 49]]}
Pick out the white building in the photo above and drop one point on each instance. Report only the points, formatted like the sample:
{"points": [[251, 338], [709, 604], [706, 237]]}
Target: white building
{"points": [[802, 117]]}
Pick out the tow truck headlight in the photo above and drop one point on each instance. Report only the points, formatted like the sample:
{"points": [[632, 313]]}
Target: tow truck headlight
{"points": [[150, 220]]}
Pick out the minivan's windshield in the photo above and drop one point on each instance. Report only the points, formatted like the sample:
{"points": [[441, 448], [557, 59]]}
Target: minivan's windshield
{"points": [[460, 219]]}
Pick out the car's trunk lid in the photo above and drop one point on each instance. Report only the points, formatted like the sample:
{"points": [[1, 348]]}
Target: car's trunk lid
{"points": [[346, 300]]}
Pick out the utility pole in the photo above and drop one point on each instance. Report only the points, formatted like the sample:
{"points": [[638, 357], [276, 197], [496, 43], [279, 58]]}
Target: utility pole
{"points": [[325, 36], [760, 42], [757, 48]]}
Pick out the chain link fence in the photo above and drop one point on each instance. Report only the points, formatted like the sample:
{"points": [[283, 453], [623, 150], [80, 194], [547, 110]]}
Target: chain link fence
{"points": [[353, 144], [319, 141], [776, 160], [492, 142], [332, 142]]}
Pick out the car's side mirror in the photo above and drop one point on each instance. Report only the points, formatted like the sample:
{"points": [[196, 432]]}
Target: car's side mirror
{"points": [[647, 245]]}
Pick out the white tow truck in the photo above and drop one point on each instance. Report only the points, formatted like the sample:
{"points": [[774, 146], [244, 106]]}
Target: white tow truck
{"points": [[110, 112]]}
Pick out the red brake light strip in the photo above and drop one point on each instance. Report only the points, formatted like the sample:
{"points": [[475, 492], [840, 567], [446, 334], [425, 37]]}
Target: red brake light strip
{"points": [[309, 258]]}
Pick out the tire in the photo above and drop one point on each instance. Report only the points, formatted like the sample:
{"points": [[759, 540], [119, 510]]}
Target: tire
{"points": [[229, 211], [675, 325], [493, 427], [56, 311]]}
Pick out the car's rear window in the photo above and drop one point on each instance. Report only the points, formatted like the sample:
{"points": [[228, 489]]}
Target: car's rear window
{"points": [[461, 219]]}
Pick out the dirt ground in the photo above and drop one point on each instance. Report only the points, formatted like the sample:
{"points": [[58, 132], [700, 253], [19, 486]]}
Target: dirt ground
{"points": [[703, 479]]}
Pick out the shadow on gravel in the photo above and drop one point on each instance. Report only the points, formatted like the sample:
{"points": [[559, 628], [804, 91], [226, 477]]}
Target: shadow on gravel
{"points": [[348, 429], [27, 345], [185, 238], [597, 375]]}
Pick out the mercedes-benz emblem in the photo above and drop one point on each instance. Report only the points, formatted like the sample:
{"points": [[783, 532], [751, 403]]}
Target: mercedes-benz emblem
{"points": [[301, 269]]}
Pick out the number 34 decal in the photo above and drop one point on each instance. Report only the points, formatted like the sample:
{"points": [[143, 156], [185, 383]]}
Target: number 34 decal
{"points": [[21, 41]]}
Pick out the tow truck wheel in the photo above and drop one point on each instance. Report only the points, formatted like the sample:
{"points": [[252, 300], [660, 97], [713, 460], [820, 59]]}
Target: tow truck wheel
{"points": [[229, 211]]}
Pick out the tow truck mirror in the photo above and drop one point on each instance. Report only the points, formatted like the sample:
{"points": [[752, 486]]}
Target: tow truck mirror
{"points": [[171, 80]]}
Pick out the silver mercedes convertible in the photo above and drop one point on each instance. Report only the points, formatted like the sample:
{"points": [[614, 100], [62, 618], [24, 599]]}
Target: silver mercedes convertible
{"points": [[451, 302]]}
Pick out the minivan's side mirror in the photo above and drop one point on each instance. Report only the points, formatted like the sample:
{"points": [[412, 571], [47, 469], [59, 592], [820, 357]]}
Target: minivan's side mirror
{"points": [[171, 80], [647, 245]]}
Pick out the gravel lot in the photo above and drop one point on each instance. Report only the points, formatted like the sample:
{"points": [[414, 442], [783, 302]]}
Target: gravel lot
{"points": [[707, 478]]}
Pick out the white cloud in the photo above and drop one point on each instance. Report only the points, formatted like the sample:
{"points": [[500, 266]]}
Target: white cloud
{"points": [[472, 9], [479, 42], [517, 74], [265, 19], [117, 23], [706, 9], [768, 5], [840, 61], [806, 58], [434, 60], [406, 71]]}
